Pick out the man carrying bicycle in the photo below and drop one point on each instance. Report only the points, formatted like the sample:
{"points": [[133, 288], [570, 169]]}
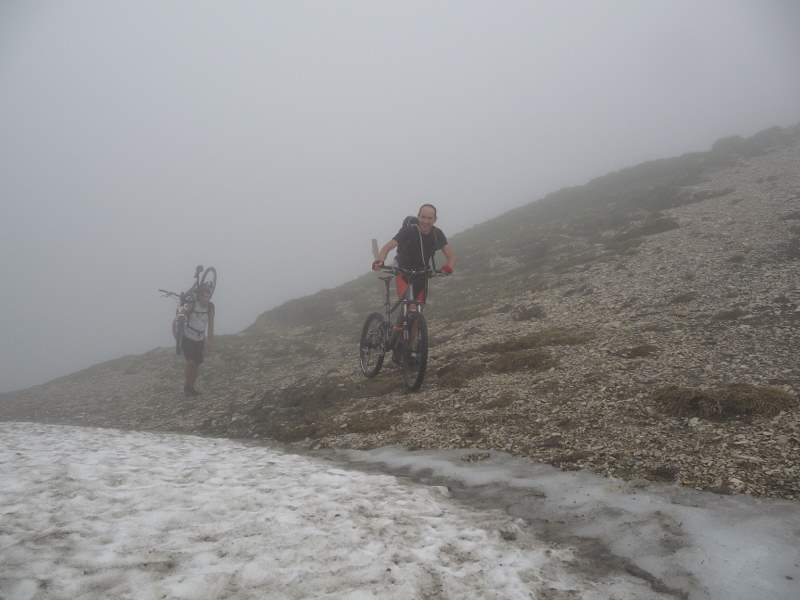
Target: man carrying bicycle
{"points": [[199, 316], [416, 244]]}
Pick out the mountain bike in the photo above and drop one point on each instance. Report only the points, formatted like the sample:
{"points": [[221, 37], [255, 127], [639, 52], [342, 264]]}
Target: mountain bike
{"points": [[407, 339], [208, 278]]}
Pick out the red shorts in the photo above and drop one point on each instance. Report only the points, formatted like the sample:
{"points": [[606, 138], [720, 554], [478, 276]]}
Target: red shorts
{"points": [[419, 287]]}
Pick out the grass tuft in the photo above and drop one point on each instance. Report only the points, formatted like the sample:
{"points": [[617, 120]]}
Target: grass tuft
{"points": [[725, 402]]}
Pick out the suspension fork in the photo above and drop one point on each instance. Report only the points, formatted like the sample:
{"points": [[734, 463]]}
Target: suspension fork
{"points": [[408, 300], [387, 308], [409, 327], [392, 335], [387, 300]]}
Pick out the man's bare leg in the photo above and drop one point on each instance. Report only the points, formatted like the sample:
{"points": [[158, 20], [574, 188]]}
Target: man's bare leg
{"points": [[190, 375]]}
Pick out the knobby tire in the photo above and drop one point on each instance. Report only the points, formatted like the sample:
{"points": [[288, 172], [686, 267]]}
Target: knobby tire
{"points": [[414, 360], [371, 349]]}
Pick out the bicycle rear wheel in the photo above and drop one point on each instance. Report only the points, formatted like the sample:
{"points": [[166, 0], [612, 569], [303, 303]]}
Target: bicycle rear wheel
{"points": [[210, 278], [414, 353], [372, 348]]}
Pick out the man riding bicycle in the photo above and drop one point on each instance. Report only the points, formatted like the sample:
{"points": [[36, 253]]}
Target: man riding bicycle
{"points": [[416, 244], [407, 339]]}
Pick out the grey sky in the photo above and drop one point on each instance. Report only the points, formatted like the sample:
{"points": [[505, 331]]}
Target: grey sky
{"points": [[274, 139]]}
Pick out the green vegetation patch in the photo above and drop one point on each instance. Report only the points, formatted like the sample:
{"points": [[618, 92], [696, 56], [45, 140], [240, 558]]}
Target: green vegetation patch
{"points": [[737, 258], [684, 298], [729, 315], [547, 337], [369, 422], [527, 312], [725, 402], [627, 246], [650, 226], [458, 373], [640, 351], [308, 410], [701, 195], [523, 360], [504, 400], [457, 310], [792, 248]]}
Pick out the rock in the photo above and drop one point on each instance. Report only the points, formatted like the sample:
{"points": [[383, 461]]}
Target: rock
{"points": [[508, 535], [527, 312], [441, 490], [736, 484]]}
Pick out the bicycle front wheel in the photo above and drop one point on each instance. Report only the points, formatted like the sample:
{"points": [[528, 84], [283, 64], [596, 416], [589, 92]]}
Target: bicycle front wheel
{"points": [[372, 348], [210, 278], [414, 354]]}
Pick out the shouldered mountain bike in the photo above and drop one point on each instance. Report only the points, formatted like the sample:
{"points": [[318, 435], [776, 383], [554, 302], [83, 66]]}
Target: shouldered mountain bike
{"points": [[407, 339], [202, 277]]}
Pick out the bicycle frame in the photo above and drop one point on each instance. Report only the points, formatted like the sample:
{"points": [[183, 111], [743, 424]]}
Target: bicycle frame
{"points": [[406, 301]]}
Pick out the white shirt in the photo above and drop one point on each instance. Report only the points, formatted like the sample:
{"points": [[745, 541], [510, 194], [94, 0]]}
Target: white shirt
{"points": [[197, 323]]}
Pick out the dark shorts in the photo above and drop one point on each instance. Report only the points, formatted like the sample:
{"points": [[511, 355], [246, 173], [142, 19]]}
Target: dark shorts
{"points": [[193, 351]]}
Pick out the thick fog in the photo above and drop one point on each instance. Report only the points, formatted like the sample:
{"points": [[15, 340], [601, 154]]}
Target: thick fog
{"points": [[274, 139]]}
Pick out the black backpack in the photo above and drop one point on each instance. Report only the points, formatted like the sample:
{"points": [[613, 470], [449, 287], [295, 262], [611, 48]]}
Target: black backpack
{"points": [[410, 220]]}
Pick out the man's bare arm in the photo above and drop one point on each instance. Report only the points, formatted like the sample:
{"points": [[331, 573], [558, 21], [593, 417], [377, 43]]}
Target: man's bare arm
{"points": [[211, 324], [387, 247], [449, 255]]}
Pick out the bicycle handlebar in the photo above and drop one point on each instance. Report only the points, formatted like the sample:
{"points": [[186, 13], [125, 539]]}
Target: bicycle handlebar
{"points": [[167, 293], [413, 272]]}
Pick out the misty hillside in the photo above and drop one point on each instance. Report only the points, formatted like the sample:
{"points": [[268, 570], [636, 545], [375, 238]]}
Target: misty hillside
{"points": [[644, 325]]}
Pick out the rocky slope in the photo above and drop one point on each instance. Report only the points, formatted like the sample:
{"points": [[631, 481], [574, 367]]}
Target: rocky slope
{"points": [[644, 325]]}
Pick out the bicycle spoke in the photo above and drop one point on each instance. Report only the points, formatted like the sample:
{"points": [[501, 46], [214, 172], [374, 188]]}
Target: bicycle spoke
{"points": [[371, 346]]}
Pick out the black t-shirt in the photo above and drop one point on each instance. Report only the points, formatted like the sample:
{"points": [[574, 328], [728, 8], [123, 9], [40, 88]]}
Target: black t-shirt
{"points": [[408, 246]]}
